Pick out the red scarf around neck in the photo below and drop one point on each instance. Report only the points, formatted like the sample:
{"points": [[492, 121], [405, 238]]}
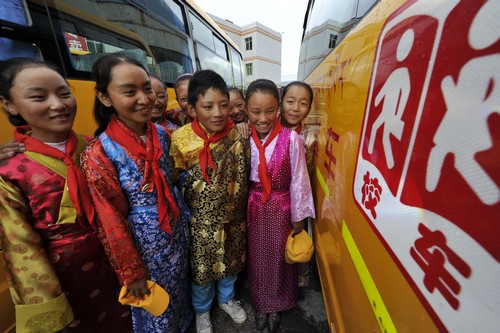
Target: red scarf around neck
{"points": [[263, 173], [117, 132], [298, 129], [78, 191], [205, 155]]}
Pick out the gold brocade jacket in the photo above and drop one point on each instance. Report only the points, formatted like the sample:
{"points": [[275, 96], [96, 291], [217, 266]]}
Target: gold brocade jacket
{"points": [[218, 210]]}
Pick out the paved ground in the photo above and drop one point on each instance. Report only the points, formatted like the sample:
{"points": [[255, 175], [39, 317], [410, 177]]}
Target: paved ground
{"points": [[307, 317]]}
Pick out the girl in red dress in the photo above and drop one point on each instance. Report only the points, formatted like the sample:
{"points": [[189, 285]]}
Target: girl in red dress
{"points": [[59, 275]]}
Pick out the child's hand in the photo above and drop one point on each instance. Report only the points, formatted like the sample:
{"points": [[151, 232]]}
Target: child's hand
{"points": [[139, 288], [298, 226], [10, 149], [243, 129]]}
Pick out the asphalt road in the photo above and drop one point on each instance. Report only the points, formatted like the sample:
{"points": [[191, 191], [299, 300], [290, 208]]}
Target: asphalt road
{"points": [[308, 316]]}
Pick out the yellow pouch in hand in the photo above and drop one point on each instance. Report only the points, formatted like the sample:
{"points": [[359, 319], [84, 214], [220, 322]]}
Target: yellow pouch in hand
{"points": [[299, 247], [155, 303]]}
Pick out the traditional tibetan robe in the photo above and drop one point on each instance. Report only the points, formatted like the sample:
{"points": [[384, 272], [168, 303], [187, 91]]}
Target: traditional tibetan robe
{"points": [[127, 206], [176, 116], [273, 283], [55, 264], [167, 123], [308, 134], [217, 206]]}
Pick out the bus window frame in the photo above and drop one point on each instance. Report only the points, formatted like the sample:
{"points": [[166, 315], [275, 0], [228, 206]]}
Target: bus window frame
{"points": [[59, 11], [305, 28]]}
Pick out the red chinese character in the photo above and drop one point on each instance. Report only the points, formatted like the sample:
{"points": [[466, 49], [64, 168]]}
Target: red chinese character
{"points": [[329, 153], [371, 191], [431, 253]]}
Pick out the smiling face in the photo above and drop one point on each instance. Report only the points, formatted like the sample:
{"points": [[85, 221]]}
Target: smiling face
{"points": [[161, 99], [237, 107], [131, 94], [43, 98], [262, 109], [181, 94], [212, 110], [295, 106]]}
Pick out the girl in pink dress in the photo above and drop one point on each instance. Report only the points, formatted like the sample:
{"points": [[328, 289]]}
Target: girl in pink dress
{"points": [[280, 200]]}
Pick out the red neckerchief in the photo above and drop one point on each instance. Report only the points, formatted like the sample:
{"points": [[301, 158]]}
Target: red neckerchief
{"points": [[78, 191], [298, 129], [263, 173], [163, 123], [205, 155], [118, 133]]}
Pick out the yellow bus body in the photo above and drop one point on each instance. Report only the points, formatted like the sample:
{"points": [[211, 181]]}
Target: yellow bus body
{"points": [[368, 284]]}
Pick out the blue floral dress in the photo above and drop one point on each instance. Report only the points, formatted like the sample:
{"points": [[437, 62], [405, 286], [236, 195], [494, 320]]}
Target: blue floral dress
{"points": [[114, 176]]}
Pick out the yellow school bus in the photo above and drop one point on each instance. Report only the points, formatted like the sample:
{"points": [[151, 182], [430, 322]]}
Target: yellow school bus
{"points": [[407, 166], [170, 37]]}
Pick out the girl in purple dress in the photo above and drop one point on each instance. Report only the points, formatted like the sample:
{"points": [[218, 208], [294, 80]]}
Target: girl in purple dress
{"points": [[276, 205]]}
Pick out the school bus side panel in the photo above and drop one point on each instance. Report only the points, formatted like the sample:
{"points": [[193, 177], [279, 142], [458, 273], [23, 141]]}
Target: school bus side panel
{"points": [[408, 259]]}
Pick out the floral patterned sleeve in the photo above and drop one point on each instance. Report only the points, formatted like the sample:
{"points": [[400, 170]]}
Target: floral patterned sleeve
{"points": [[301, 204], [34, 286], [111, 208]]}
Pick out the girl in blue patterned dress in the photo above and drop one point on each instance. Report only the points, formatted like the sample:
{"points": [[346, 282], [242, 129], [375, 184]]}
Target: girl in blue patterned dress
{"points": [[142, 219]]}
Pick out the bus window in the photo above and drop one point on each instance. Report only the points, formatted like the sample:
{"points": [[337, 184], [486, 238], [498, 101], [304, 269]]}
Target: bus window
{"points": [[160, 24], [220, 47], [209, 60], [86, 43], [168, 10], [328, 23], [13, 48], [201, 32], [14, 11], [237, 71], [171, 63], [363, 7], [212, 52]]}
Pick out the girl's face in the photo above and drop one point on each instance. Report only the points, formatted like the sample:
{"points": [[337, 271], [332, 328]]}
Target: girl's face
{"points": [[181, 94], [131, 95], [161, 99], [43, 98], [295, 106], [262, 110], [237, 107], [212, 110]]}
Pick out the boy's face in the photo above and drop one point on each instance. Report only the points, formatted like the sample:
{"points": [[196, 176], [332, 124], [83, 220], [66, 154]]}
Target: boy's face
{"points": [[212, 110], [262, 109], [296, 106]]}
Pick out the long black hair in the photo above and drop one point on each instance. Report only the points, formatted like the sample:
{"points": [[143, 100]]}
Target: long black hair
{"points": [[101, 74]]}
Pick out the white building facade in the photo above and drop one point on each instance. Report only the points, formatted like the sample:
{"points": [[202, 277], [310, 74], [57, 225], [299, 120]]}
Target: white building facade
{"points": [[260, 47]]}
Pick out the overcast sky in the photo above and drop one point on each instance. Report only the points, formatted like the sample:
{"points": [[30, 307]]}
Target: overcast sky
{"points": [[283, 16]]}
